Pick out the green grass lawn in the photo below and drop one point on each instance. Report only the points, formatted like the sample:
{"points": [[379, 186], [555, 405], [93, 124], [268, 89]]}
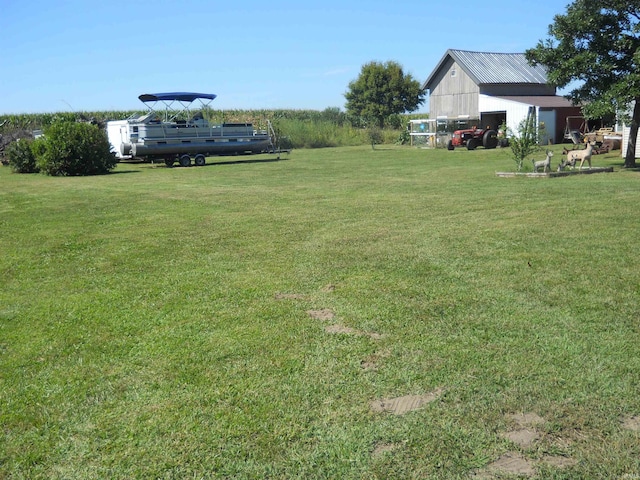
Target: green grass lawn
{"points": [[164, 323]]}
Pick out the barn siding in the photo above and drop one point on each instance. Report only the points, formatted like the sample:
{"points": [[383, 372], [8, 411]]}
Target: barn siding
{"points": [[455, 94]]}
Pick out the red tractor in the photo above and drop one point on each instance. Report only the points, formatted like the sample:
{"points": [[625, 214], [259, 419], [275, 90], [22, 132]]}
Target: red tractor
{"points": [[474, 137]]}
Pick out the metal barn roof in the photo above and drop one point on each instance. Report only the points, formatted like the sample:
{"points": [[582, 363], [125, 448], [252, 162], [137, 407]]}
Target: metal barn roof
{"points": [[493, 68]]}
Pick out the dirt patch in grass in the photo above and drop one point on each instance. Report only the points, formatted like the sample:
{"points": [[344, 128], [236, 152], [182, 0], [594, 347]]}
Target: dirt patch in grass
{"points": [[368, 365], [523, 437], [382, 448], [510, 463], [514, 463], [324, 314], [372, 361], [526, 419], [405, 404], [341, 329], [290, 296], [374, 335], [631, 422], [559, 461]]}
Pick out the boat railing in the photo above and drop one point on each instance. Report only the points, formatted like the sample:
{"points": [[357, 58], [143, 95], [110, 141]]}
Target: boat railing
{"points": [[185, 130]]}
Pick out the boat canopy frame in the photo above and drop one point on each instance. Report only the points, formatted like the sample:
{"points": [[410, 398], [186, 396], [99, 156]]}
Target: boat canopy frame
{"points": [[184, 99]]}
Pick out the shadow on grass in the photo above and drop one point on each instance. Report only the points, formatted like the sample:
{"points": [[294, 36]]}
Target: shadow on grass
{"points": [[121, 172], [622, 168], [233, 160], [237, 161]]}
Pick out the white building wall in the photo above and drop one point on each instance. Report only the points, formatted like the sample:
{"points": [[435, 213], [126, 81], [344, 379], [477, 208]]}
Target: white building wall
{"points": [[625, 142], [516, 112]]}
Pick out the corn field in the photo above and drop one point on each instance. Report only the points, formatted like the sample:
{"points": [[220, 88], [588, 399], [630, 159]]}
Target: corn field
{"points": [[296, 128]]}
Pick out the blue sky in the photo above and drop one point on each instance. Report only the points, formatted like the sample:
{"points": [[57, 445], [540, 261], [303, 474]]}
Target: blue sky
{"points": [[89, 56]]}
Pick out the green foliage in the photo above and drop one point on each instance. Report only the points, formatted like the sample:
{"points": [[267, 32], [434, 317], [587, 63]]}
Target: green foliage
{"points": [[321, 133], [330, 127], [598, 45], [404, 138], [381, 90], [318, 134], [334, 115], [375, 135], [72, 148], [526, 141], [395, 121], [21, 157], [40, 121], [39, 146]]}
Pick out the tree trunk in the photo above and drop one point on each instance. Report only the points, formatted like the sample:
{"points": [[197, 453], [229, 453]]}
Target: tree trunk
{"points": [[630, 155]]}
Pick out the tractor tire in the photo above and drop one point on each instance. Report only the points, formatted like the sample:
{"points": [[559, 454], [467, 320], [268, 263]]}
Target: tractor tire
{"points": [[472, 143], [450, 145], [490, 139]]}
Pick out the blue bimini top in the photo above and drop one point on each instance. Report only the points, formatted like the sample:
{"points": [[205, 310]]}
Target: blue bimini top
{"points": [[179, 96]]}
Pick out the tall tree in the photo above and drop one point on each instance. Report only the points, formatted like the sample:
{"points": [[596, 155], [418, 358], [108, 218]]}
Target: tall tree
{"points": [[383, 89], [597, 43]]}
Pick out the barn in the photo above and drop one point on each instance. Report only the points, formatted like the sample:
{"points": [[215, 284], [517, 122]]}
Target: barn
{"points": [[490, 89]]}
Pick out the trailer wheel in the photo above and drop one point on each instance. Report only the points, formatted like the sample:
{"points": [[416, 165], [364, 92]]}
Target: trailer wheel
{"points": [[169, 161], [185, 161], [199, 160]]}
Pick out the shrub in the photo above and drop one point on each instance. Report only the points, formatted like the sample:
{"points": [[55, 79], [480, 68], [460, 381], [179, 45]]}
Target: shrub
{"points": [[526, 141], [20, 156], [375, 135], [72, 148], [403, 138]]}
